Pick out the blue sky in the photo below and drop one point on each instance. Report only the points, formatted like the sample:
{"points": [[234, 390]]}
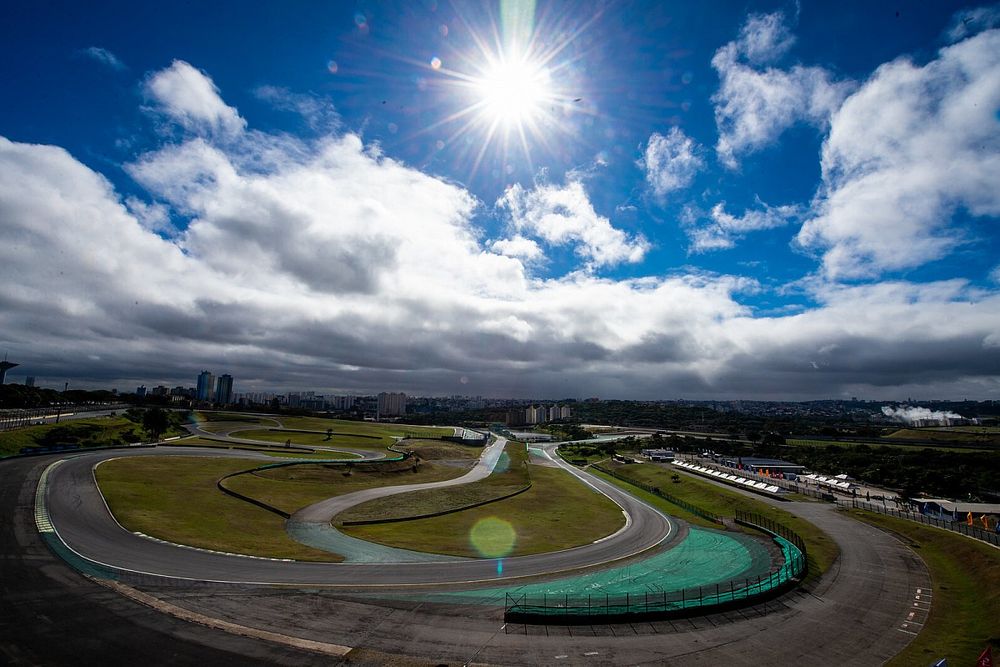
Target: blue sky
{"points": [[741, 200]]}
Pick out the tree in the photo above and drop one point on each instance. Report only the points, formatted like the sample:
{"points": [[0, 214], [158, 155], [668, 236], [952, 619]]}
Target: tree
{"points": [[156, 422]]}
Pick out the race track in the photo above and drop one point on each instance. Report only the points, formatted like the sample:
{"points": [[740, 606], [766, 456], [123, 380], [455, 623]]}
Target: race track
{"points": [[82, 521], [854, 615]]}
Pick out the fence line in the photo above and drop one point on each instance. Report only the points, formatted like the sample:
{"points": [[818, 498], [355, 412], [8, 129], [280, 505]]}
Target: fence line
{"points": [[954, 526], [607, 608]]}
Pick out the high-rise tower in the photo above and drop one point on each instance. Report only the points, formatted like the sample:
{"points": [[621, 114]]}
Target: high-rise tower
{"points": [[224, 389], [4, 367], [206, 386]]}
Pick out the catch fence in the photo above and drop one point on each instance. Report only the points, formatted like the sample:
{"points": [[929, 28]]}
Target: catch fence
{"points": [[954, 526], [662, 604]]}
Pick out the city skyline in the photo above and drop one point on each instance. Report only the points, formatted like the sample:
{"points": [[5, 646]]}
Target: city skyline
{"points": [[635, 201]]}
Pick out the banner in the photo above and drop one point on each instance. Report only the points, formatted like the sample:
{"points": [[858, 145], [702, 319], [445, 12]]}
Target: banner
{"points": [[985, 658]]}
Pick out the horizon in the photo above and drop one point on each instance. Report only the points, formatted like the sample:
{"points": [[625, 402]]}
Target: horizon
{"points": [[740, 202], [908, 401]]}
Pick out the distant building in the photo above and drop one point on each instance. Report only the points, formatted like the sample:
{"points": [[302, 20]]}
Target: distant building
{"points": [[159, 390], [536, 414], [341, 402], [565, 412], [29, 381], [760, 465], [391, 404], [515, 417], [140, 391], [206, 386], [224, 390]]}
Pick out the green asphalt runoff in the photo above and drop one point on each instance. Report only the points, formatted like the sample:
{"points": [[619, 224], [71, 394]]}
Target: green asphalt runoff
{"points": [[704, 558]]}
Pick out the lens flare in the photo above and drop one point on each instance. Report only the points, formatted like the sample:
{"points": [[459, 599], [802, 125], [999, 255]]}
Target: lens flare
{"points": [[493, 537]]}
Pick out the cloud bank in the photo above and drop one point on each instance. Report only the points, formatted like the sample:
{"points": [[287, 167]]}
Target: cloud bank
{"points": [[325, 264]]}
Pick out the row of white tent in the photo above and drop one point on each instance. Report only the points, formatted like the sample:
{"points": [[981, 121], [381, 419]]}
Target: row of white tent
{"points": [[835, 482], [735, 479]]}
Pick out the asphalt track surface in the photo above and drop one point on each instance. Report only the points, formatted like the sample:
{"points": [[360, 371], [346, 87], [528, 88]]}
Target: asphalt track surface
{"points": [[852, 616], [83, 523], [226, 435]]}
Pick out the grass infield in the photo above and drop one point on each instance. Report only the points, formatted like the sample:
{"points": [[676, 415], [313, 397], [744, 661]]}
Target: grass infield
{"points": [[291, 488], [557, 512], [276, 452], [175, 498], [87, 432]]}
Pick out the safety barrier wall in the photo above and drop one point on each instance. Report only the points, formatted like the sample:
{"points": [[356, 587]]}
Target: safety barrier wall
{"points": [[954, 526]]}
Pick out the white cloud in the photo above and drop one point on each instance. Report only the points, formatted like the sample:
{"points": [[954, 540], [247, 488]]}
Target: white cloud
{"points": [[970, 21], [671, 161], [325, 265], [104, 57], [914, 145], [318, 112], [190, 97], [563, 214], [518, 246], [754, 106], [765, 38], [152, 216], [724, 229]]}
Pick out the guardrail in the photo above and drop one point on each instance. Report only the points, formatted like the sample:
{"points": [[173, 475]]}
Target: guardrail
{"points": [[569, 610], [954, 526]]}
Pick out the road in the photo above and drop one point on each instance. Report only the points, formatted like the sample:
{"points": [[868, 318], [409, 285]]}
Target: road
{"points": [[853, 615], [226, 435], [82, 521]]}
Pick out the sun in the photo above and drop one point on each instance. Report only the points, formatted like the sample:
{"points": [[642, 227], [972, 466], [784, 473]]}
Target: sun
{"points": [[513, 91]]}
